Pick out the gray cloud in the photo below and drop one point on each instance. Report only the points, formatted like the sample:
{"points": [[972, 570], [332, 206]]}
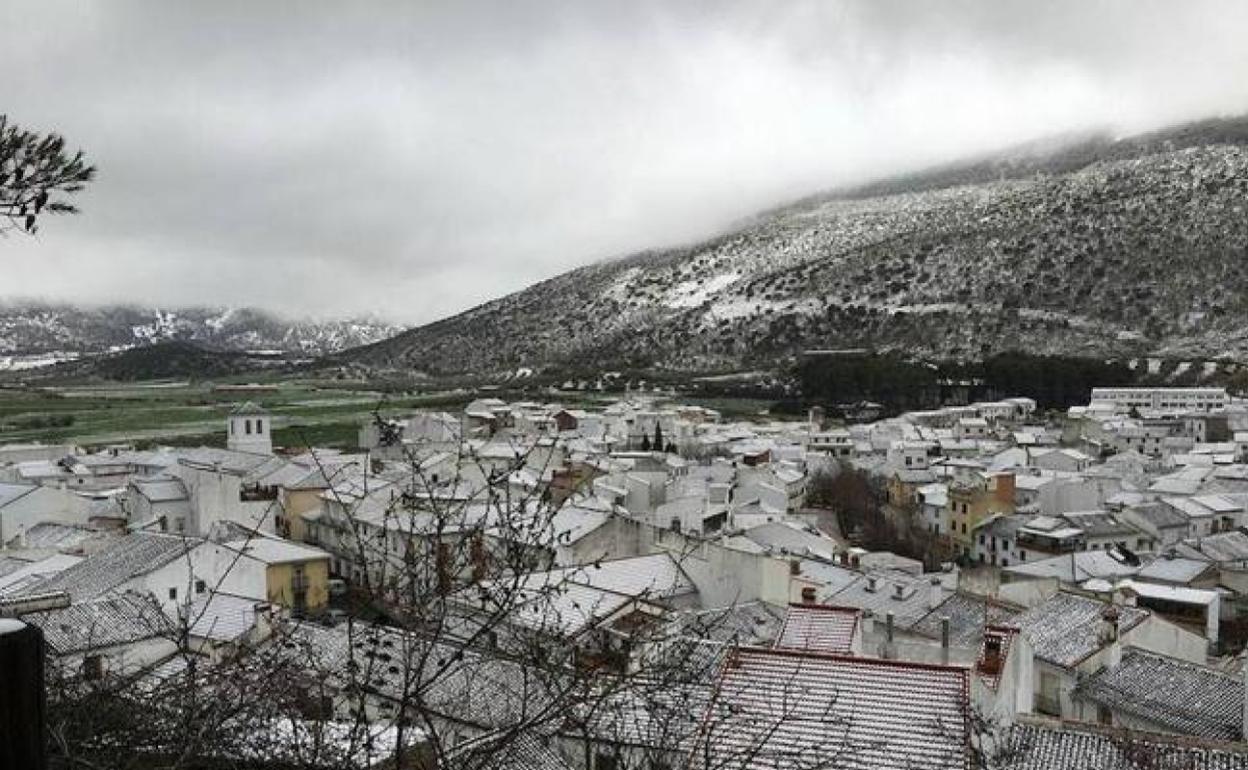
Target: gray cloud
{"points": [[413, 159]]}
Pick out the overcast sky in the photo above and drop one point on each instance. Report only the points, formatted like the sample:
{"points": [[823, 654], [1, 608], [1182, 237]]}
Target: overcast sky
{"points": [[414, 159]]}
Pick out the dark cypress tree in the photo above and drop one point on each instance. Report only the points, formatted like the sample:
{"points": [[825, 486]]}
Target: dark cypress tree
{"points": [[645, 443], [658, 442]]}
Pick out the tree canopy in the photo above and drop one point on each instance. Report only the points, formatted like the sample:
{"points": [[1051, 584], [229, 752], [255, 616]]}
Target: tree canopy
{"points": [[37, 174]]}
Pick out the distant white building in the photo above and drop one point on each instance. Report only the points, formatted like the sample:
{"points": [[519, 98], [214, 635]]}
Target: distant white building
{"points": [[250, 430], [1164, 399]]}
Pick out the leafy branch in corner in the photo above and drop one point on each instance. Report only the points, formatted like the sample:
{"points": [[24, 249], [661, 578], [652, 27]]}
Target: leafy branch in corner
{"points": [[36, 174]]}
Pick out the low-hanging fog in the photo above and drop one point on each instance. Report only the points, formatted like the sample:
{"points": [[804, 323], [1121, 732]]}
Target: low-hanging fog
{"points": [[413, 159]]}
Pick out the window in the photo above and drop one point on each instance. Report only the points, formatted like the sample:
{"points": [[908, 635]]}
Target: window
{"points": [[93, 667], [247, 427], [605, 761], [200, 586], [259, 426], [173, 593]]}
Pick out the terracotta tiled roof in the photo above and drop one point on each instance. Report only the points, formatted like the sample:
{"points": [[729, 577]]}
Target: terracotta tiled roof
{"points": [[818, 628], [779, 709]]}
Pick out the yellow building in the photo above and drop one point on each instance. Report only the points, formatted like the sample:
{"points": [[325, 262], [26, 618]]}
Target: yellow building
{"points": [[973, 498], [295, 576], [296, 503]]}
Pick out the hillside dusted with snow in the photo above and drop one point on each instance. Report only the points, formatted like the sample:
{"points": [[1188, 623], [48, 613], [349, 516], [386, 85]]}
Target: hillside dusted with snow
{"points": [[36, 332], [1089, 246]]}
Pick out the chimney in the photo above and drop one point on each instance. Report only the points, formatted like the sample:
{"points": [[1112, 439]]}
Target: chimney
{"points": [[934, 593], [992, 661], [899, 591], [795, 567], [808, 595], [944, 640], [889, 651], [871, 584], [263, 613], [1109, 635]]}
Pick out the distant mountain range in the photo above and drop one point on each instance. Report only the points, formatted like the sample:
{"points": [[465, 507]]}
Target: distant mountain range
{"points": [[34, 333], [1084, 245]]}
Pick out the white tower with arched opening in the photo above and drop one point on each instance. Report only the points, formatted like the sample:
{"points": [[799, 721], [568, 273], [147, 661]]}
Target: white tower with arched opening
{"points": [[250, 429]]}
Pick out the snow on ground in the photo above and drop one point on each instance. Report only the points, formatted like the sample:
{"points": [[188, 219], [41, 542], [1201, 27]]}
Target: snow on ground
{"points": [[695, 292], [1180, 369], [38, 361]]}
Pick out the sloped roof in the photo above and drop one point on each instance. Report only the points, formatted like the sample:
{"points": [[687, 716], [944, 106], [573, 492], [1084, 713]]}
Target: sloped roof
{"points": [[1077, 566], [11, 492], [126, 557], [1066, 629], [967, 617], [778, 709], [160, 489], [30, 575], [1174, 570], [249, 408], [506, 750], [914, 602], [1221, 548], [273, 550], [656, 576], [1171, 693], [50, 534], [818, 628], [101, 623], [747, 623], [221, 617], [1030, 746]]}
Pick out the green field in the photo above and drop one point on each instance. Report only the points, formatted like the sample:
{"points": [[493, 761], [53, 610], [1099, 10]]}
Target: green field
{"points": [[306, 412], [192, 414]]}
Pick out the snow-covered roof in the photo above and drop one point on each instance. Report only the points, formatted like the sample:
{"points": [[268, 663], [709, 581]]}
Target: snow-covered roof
{"points": [[781, 709], [818, 628], [1065, 629]]}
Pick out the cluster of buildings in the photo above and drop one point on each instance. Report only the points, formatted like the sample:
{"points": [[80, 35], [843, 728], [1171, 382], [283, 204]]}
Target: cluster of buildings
{"points": [[1079, 601]]}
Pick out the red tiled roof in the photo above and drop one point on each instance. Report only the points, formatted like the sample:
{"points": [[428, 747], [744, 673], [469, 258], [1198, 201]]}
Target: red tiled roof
{"points": [[818, 628], [780, 709]]}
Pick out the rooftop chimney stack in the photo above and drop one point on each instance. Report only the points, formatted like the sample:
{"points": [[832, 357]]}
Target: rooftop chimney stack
{"points": [[889, 651], [944, 640], [1109, 634]]}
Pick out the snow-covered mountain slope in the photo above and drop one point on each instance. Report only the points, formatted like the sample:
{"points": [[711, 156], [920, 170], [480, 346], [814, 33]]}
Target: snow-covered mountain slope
{"points": [[1088, 246], [32, 331]]}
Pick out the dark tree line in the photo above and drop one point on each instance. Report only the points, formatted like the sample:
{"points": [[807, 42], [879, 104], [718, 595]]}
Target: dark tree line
{"points": [[897, 383]]}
